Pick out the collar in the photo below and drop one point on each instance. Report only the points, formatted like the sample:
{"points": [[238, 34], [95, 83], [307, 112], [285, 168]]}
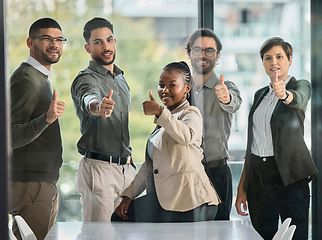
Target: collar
{"points": [[33, 62], [180, 107], [102, 70], [212, 81]]}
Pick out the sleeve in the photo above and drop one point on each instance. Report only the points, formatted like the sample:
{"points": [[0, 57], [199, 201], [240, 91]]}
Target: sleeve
{"points": [[25, 130], [184, 130], [138, 184], [83, 91], [235, 98], [301, 94]]}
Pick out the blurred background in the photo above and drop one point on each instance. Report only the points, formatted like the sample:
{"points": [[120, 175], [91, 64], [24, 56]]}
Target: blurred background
{"points": [[150, 34]]}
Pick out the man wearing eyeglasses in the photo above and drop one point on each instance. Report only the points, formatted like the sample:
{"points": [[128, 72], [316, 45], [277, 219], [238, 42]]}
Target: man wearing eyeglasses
{"points": [[35, 133], [217, 100], [102, 102]]}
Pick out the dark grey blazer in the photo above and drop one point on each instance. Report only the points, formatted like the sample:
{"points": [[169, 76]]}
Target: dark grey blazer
{"points": [[292, 156]]}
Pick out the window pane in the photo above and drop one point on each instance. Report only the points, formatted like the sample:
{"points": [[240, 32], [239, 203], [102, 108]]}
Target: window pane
{"points": [[149, 33]]}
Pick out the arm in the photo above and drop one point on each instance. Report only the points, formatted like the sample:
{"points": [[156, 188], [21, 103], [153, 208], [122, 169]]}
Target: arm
{"points": [[300, 95], [137, 186], [241, 195], [184, 130], [24, 128]]}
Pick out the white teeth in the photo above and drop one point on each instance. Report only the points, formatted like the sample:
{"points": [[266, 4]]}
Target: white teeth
{"points": [[274, 69]]}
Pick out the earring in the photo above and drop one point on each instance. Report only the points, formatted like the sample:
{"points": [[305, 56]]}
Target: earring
{"points": [[187, 95]]}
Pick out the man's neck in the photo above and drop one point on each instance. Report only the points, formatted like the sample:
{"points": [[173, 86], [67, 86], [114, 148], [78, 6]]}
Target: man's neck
{"points": [[110, 67], [200, 79]]}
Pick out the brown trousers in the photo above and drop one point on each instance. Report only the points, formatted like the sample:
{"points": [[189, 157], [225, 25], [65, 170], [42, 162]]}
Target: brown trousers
{"points": [[37, 203]]}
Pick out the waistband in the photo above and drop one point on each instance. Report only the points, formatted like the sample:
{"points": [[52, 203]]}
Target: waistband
{"points": [[215, 163], [264, 159], [108, 158]]}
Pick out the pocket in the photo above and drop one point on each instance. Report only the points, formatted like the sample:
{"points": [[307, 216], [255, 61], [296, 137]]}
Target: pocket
{"points": [[36, 189]]}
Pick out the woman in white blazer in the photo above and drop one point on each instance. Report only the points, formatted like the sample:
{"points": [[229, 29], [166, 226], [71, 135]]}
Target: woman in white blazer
{"points": [[178, 189]]}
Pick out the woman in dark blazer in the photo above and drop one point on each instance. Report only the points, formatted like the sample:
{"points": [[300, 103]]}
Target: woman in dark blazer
{"points": [[278, 165]]}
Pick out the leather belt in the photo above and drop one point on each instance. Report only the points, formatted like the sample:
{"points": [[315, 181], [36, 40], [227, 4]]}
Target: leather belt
{"points": [[108, 158], [216, 163]]}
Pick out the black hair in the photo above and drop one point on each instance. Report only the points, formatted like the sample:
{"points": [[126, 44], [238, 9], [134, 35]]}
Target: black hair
{"points": [[203, 32], [42, 23], [94, 24], [276, 41], [182, 67]]}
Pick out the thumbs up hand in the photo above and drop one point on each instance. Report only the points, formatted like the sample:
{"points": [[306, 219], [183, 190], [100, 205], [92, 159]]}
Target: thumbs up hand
{"points": [[107, 105], [279, 87], [221, 91], [56, 109], [151, 107]]}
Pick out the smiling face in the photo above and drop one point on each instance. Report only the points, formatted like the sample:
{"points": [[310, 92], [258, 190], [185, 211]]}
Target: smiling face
{"points": [[172, 88], [202, 64], [275, 59], [101, 46], [43, 51]]}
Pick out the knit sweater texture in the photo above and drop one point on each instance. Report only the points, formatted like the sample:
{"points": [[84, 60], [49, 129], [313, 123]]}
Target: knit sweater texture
{"points": [[36, 145]]}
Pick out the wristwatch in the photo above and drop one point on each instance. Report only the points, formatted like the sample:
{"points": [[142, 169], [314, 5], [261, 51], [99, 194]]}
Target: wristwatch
{"points": [[287, 94]]}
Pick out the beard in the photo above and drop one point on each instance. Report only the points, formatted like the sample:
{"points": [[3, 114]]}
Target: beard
{"points": [[101, 61], [201, 70], [41, 55]]}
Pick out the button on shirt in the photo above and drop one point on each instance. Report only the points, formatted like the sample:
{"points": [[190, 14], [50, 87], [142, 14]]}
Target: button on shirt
{"points": [[262, 144], [102, 135]]}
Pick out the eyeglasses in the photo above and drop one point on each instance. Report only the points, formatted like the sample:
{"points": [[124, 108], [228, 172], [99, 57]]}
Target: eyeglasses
{"points": [[50, 39], [210, 52]]}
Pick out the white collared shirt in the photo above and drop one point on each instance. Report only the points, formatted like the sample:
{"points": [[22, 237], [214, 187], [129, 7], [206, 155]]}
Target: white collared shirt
{"points": [[262, 144], [33, 62]]}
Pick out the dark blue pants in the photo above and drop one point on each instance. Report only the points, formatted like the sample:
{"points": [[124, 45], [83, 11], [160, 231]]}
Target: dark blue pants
{"points": [[148, 209], [268, 200], [221, 178]]}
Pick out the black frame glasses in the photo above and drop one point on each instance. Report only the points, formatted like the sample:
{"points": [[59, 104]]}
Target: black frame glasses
{"points": [[50, 39], [210, 52]]}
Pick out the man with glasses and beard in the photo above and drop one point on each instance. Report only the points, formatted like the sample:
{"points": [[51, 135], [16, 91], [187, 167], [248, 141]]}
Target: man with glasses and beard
{"points": [[217, 100], [102, 103], [35, 133]]}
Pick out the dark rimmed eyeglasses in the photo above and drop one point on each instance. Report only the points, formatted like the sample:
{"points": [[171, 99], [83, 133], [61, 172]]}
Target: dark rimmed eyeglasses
{"points": [[210, 52], [50, 39]]}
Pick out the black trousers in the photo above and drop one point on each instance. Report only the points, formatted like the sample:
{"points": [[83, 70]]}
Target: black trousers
{"points": [[221, 178], [268, 199], [148, 209]]}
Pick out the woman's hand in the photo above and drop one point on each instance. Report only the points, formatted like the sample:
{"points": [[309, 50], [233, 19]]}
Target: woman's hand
{"points": [[151, 107], [279, 87], [241, 199], [121, 210]]}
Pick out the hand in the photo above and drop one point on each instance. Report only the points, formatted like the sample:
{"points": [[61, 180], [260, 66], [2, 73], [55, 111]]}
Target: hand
{"points": [[121, 210], [279, 87], [221, 91], [56, 109], [241, 199], [151, 107], [107, 105]]}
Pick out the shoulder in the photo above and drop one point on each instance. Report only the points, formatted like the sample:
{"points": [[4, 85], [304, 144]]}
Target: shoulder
{"points": [[261, 90], [26, 77], [191, 110], [293, 83], [84, 76]]}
